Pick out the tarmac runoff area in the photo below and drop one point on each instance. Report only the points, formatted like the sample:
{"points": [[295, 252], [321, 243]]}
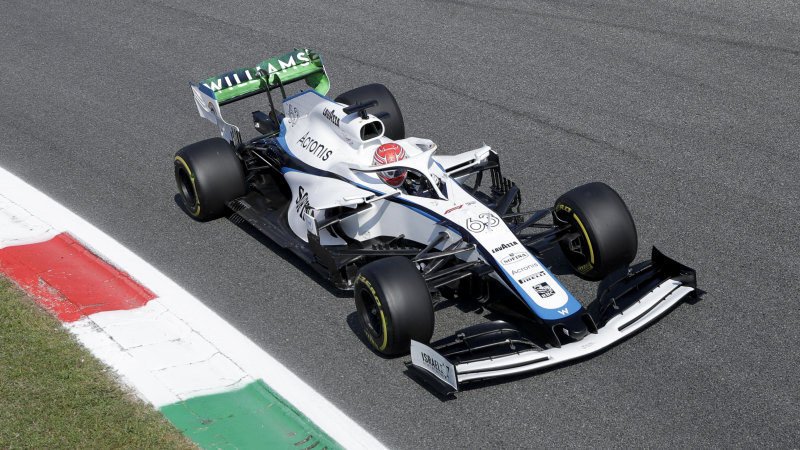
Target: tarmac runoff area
{"points": [[211, 381]]}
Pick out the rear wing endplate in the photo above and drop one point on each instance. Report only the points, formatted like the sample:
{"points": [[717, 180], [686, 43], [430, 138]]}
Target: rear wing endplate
{"points": [[208, 107]]}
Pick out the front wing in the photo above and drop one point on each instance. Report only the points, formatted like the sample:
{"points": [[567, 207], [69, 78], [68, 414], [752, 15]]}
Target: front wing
{"points": [[446, 374]]}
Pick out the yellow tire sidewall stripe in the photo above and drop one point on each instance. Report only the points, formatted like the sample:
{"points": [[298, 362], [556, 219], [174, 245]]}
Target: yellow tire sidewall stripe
{"points": [[196, 211], [586, 235], [385, 333]]}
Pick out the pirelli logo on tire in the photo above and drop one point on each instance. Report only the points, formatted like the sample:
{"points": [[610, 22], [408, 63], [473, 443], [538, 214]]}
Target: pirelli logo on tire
{"points": [[565, 208]]}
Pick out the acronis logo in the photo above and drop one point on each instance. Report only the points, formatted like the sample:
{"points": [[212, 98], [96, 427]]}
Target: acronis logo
{"points": [[275, 65]]}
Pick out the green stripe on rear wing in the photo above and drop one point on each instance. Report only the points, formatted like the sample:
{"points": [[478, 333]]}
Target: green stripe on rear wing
{"points": [[297, 65]]}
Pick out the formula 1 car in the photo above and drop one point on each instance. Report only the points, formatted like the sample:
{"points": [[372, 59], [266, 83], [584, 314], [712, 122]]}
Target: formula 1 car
{"points": [[339, 184]]}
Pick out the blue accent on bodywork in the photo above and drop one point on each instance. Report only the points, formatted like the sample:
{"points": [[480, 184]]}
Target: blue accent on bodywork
{"points": [[282, 140], [572, 305], [429, 216], [206, 90], [289, 169]]}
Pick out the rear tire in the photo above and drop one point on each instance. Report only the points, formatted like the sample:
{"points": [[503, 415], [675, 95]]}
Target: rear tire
{"points": [[393, 124], [607, 239], [393, 305], [209, 175]]}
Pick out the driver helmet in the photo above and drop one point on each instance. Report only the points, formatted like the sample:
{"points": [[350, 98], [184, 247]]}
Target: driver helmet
{"points": [[389, 153]]}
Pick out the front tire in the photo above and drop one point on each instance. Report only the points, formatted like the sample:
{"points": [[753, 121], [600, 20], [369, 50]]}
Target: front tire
{"points": [[606, 235], [393, 305], [209, 175]]}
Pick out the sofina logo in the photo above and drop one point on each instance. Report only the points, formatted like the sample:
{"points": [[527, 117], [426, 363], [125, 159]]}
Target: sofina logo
{"points": [[514, 257]]}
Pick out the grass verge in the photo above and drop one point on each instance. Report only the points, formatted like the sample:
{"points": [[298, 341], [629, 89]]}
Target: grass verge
{"points": [[55, 394]]}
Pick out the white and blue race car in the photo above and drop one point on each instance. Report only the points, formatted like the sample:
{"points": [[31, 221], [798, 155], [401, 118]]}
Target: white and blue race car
{"points": [[339, 184]]}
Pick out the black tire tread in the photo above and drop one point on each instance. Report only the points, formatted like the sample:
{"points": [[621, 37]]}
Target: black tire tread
{"points": [[218, 177], [405, 302], [607, 222]]}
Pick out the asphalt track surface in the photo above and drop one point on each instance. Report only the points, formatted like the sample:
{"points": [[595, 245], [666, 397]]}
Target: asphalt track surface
{"points": [[689, 109]]}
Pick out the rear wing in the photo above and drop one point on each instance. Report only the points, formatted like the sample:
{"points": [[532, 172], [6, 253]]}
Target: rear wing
{"points": [[301, 64], [294, 66]]}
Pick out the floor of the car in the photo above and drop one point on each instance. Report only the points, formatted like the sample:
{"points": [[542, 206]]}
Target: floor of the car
{"points": [[269, 218]]}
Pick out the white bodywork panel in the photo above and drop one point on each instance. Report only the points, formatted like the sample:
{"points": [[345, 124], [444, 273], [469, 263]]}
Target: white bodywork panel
{"points": [[426, 358], [208, 107]]}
